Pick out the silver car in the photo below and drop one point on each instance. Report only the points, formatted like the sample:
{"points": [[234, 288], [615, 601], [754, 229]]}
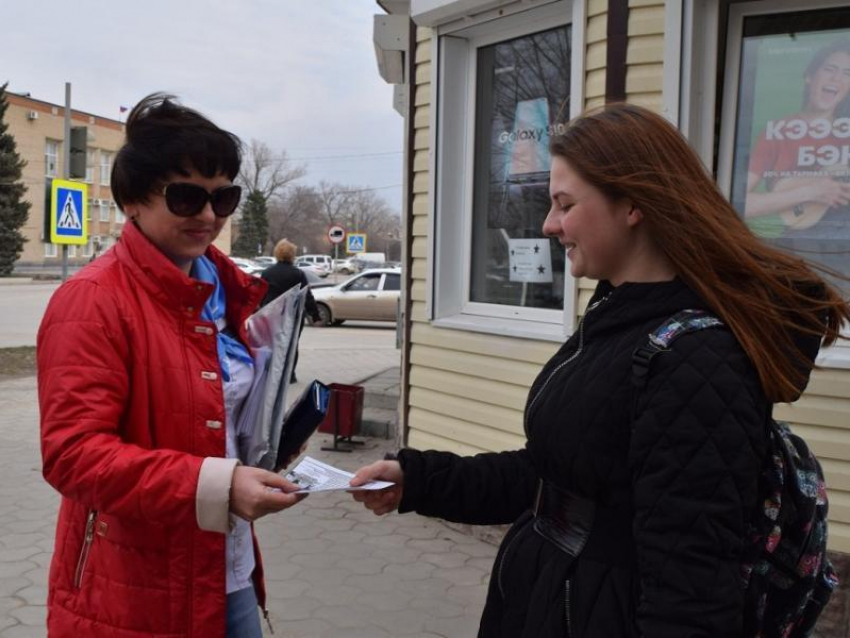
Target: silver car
{"points": [[370, 296]]}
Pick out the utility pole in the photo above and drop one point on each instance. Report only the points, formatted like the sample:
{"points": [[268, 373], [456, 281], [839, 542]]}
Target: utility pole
{"points": [[66, 165]]}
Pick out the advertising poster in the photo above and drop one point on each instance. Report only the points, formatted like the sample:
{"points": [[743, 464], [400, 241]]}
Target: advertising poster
{"points": [[791, 170]]}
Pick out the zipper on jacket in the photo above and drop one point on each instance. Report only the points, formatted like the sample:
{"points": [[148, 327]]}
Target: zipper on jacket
{"points": [[268, 620], [567, 610], [84, 551], [561, 365]]}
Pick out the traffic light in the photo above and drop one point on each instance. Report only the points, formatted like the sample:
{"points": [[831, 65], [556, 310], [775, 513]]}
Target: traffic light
{"points": [[79, 139]]}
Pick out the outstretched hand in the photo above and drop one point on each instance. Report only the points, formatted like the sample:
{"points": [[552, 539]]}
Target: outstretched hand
{"points": [[255, 493], [380, 501]]}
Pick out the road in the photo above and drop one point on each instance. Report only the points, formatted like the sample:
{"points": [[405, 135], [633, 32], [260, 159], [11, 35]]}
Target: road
{"points": [[22, 307]]}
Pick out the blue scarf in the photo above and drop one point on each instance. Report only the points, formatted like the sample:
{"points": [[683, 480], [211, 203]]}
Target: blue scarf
{"points": [[203, 269]]}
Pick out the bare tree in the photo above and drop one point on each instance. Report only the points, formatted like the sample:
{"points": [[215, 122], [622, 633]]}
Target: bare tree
{"points": [[303, 215], [335, 200], [267, 172], [297, 216]]}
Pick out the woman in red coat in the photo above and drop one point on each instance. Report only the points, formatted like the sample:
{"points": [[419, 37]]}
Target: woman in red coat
{"points": [[142, 365]]}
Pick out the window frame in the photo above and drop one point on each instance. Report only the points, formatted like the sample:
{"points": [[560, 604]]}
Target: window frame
{"points": [[90, 151], [695, 32], [365, 275], [386, 279], [452, 164], [106, 176], [50, 250], [103, 205], [58, 146]]}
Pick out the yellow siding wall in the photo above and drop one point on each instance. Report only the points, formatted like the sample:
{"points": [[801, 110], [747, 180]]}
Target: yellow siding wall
{"points": [[645, 53], [822, 418], [595, 38]]}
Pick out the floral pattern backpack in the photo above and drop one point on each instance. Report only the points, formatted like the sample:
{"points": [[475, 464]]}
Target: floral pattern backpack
{"points": [[785, 573]]}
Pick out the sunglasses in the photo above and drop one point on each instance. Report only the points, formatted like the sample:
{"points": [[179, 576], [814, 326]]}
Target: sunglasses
{"points": [[186, 200]]}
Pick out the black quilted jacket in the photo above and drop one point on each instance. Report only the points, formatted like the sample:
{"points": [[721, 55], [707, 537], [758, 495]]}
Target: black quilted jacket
{"points": [[676, 467]]}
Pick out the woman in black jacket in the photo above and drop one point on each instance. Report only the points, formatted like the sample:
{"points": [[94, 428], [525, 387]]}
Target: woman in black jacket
{"points": [[283, 276], [630, 507]]}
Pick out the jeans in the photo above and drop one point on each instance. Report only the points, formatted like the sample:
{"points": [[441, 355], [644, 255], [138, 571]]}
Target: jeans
{"points": [[243, 616]]}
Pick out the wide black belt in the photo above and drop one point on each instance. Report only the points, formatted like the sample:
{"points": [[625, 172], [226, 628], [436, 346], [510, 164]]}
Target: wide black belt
{"points": [[563, 517]]}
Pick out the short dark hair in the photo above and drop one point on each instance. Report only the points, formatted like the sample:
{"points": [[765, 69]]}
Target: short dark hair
{"points": [[165, 138]]}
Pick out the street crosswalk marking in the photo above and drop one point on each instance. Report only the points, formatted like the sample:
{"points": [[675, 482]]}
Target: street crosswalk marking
{"points": [[70, 218]]}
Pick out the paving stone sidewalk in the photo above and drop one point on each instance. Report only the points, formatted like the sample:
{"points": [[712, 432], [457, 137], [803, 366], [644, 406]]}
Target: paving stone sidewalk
{"points": [[333, 568]]}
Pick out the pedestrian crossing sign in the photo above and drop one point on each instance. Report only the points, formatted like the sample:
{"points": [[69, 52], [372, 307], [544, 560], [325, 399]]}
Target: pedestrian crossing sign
{"points": [[355, 243], [68, 212]]}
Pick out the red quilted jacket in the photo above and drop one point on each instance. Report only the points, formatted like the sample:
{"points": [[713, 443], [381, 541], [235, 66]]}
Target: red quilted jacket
{"points": [[131, 404]]}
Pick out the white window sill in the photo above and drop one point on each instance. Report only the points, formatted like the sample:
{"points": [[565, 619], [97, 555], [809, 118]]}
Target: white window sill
{"points": [[836, 358], [505, 327]]}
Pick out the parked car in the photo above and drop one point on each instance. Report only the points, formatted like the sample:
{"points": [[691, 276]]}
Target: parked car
{"points": [[321, 263], [247, 266], [347, 266], [371, 260], [370, 296], [265, 261], [313, 279]]}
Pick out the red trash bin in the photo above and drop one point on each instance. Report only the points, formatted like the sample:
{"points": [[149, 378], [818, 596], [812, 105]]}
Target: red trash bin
{"points": [[345, 411]]}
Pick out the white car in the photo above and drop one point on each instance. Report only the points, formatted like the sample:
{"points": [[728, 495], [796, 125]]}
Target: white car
{"points": [[247, 266], [320, 263], [370, 296], [265, 261], [346, 266]]}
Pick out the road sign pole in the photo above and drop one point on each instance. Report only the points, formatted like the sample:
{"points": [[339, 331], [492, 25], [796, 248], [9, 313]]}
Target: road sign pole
{"points": [[66, 165]]}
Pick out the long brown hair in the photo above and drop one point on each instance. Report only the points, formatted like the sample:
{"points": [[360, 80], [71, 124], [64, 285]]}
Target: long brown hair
{"points": [[765, 296]]}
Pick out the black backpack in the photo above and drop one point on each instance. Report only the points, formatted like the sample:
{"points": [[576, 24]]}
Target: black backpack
{"points": [[785, 572]]}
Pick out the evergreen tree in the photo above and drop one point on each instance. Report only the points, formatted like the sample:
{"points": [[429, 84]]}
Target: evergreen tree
{"points": [[253, 227], [13, 209]]}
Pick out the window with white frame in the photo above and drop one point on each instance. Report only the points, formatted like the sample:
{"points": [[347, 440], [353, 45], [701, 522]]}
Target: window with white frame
{"points": [[50, 250], [51, 158], [89, 166], [505, 87], [104, 211], [72, 250], [120, 218], [105, 168], [88, 249]]}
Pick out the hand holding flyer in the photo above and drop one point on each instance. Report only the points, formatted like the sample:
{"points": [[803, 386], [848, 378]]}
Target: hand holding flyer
{"points": [[314, 476]]}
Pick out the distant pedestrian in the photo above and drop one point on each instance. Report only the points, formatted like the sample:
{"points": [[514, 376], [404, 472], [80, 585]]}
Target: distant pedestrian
{"points": [[632, 510], [142, 365], [283, 276]]}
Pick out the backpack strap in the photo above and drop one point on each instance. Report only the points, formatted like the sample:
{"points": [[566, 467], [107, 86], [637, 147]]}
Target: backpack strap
{"points": [[660, 339]]}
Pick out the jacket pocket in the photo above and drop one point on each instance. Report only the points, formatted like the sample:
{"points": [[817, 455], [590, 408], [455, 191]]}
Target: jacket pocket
{"points": [[88, 537]]}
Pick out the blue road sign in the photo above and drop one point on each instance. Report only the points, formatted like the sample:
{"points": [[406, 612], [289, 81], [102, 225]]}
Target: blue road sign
{"points": [[355, 242], [68, 213]]}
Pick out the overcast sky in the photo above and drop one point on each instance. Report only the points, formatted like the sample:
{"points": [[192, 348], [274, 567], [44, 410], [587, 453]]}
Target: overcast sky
{"points": [[299, 75]]}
